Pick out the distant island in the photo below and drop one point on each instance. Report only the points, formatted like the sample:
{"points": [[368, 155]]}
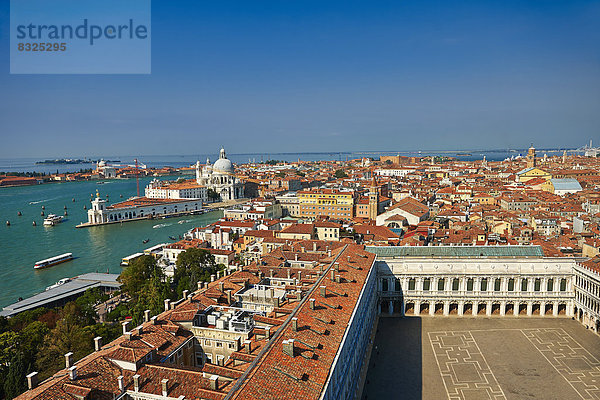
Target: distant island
{"points": [[72, 161]]}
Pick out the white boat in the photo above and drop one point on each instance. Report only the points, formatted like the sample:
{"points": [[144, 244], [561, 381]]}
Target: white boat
{"points": [[52, 219], [53, 261], [59, 283]]}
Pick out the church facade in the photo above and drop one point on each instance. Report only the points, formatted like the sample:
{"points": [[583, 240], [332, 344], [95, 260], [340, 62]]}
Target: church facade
{"points": [[220, 177]]}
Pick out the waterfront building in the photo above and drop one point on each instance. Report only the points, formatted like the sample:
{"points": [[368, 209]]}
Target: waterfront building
{"points": [[257, 209], [587, 293], [220, 177], [138, 208], [188, 189]]}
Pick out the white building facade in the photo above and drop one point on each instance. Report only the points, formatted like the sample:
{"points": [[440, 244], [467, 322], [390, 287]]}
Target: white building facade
{"points": [[220, 177]]}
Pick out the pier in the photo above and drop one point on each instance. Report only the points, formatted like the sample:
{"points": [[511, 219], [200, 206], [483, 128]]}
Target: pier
{"points": [[61, 295]]}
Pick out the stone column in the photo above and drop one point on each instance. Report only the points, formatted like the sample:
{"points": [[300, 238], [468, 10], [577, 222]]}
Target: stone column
{"points": [[432, 308], [488, 308], [378, 307], [555, 309], [516, 308], [542, 308], [475, 308], [503, 308], [446, 308], [417, 307], [391, 308], [402, 308], [529, 308], [461, 307]]}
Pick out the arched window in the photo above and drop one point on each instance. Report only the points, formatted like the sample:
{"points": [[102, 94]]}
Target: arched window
{"points": [[397, 285], [497, 285], [455, 284], [470, 284], [411, 284], [384, 284], [524, 285], [563, 284], [484, 285], [537, 284], [511, 284]]}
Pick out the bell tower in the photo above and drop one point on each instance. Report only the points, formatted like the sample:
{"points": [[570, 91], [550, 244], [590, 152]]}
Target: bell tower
{"points": [[373, 199], [531, 159]]}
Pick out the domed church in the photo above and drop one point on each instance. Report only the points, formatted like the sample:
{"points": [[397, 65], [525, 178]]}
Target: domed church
{"points": [[220, 177]]}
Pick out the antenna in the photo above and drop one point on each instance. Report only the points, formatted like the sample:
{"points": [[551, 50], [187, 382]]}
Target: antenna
{"points": [[137, 177]]}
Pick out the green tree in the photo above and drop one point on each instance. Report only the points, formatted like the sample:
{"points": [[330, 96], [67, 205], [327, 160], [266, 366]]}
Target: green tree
{"points": [[69, 335], [15, 382], [192, 266], [340, 174], [213, 195], [136, 275]]}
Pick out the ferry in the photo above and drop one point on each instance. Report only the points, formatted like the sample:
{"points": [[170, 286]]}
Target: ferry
{"points": [[52, 219], [59, 283], [125, 261], [53, 261]]}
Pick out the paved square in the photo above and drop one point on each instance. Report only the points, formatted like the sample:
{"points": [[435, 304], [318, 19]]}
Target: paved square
{"points": [[483, 358]]}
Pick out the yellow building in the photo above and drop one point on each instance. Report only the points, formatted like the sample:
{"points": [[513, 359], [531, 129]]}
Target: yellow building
{"points": [[532, 173], [332, 203]]}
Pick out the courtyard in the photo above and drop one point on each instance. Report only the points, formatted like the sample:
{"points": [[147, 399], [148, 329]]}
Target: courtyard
{"points": [[478, 358]]}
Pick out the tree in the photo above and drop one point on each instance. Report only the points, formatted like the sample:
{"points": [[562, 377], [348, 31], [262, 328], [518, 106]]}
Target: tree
{"points": [[340, 174], [69, 335], [192, 266], [213, 195], [136, 275], [14, 381]]}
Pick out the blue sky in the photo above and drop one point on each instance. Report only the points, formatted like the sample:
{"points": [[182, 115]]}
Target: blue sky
{"points": [[283, 76]]}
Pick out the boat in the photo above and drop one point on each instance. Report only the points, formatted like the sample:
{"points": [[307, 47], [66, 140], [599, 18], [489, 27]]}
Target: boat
{"points": [[59, 283], [172, 238], [52, 219], [145, 240], [53, 261], [125, 261]]}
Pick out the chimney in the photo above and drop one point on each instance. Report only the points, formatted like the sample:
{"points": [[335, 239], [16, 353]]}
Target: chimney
{"points": [[212, 278], [121, 384], [129, 335], [329, 253], [311, 302], [314, 246], [338, 279], [288, 347], [69, 360], [126, 326], [229, 297], [337, 266], [248, 346], [32, 380], [332, 274], [200, 285], [167, 304], [98, 343], [348, 258], [288, 274], [323, 291], [295, 324], [222, 286], [295, 256], [73, 373], [185, 294], [154, 320], [300, 276], [165, 387], [214, 382], [271, 273], [303, 249], [146, 315], [136, 383], [140, 330]]}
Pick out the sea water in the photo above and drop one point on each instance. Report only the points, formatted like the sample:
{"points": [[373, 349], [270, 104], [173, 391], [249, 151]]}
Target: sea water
{"points": [[98, 248]]}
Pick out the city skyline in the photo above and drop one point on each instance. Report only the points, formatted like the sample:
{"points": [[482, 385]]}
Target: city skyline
{"points": [[324, 77]]}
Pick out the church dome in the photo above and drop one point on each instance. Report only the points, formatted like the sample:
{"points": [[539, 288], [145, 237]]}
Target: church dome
{"points": [[223, 164]]}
